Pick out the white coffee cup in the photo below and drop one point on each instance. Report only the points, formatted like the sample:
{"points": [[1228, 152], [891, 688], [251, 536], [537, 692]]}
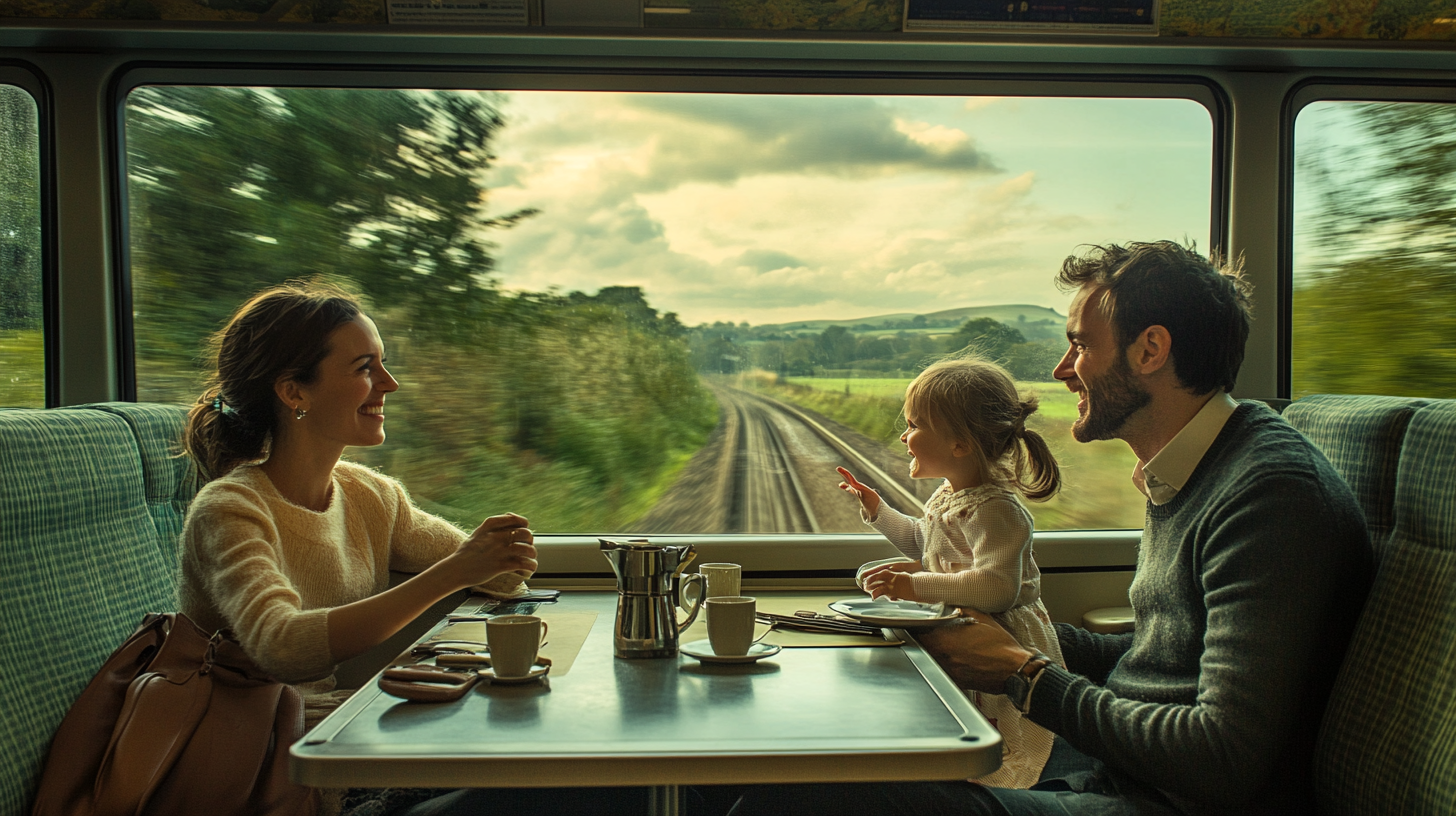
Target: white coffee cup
{"points": [[730, 624], [722, 579], [514, 641]]}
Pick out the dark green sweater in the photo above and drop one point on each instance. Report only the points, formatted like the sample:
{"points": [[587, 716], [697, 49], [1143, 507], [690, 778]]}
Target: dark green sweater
{"points": [[1248, 586]]}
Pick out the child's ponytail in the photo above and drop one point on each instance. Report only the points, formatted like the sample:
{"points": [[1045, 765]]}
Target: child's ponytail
{"points": [[1033, 457]]}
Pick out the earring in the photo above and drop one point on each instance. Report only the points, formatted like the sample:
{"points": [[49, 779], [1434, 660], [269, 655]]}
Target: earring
{"points": [[299, 413]]}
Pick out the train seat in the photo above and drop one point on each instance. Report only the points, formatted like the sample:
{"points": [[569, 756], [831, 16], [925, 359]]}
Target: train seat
{"points": [[1362, 436], [1388, 741], [91, 501]]}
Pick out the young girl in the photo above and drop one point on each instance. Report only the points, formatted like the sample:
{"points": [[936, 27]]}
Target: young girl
{"points": [[966, 424]]}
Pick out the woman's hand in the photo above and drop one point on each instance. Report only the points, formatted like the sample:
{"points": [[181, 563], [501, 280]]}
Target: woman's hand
{"points": [[869, 499], [499, 545]]}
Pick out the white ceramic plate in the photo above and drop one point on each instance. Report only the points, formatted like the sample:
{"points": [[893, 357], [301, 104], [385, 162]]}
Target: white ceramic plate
{"points": [[536, 673], [896, 614], [703, 650]]}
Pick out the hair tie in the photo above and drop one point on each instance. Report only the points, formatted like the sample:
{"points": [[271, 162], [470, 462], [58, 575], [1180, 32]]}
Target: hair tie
{"points": [[223, 408]]}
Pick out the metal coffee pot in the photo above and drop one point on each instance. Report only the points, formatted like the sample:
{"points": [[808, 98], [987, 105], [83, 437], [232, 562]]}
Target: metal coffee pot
{"points": [[650, 586]]}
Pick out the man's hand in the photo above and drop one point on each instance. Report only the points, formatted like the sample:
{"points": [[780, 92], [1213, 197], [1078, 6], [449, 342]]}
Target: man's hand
{"points": [[978, 655], [868, 498]]}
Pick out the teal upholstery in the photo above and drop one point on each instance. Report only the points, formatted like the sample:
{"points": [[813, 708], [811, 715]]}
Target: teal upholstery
{"points": [[1361, 436], [88, 509], [171, 480], [1388, 744]]}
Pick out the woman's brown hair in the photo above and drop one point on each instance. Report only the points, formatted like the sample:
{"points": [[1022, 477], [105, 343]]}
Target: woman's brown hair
{"points": [[280, 333], [975, 401]]}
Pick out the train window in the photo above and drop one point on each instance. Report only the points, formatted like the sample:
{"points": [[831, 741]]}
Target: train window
{"points": [[22, 347], [650, 311], [1374, 270]]}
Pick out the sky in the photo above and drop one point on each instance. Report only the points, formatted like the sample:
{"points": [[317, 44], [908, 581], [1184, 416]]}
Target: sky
{"points": [[776, 208]]}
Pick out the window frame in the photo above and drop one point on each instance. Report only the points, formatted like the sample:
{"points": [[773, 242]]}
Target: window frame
{"points": [[810, 560]]}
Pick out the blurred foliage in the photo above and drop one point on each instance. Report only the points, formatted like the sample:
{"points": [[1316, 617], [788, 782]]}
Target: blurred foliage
{"points": [[1377, 327], [576, 410], [825, 15], [1330, 19], [22, 368], [20, 239], [232, 189], [22, 355], [1372, 307]]}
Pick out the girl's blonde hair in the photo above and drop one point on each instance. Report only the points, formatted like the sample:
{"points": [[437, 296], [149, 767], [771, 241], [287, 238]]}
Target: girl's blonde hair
{"points": [[975, 402]]}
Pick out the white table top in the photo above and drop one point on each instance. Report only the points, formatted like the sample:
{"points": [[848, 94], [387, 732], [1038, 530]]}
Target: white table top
{"points": [[803, 715]]}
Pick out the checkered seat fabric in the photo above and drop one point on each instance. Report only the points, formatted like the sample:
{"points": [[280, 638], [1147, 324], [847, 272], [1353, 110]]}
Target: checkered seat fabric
{"points": [[170, 478], [1361, 436], [82, 559], [1388, 743]]}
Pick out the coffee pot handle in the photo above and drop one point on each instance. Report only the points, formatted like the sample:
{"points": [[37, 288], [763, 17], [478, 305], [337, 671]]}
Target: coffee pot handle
{"points": [[688, 579]]}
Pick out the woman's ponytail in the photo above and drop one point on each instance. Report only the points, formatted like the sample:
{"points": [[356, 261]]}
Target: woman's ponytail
{"points": [[219, 438]]}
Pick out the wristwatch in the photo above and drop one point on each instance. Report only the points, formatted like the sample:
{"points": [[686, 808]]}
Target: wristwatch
{"points": [[1019, 685]]}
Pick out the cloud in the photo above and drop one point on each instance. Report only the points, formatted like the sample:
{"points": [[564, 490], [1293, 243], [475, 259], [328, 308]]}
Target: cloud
{"points": [[777, 208], [767, 260], [736, 136]]}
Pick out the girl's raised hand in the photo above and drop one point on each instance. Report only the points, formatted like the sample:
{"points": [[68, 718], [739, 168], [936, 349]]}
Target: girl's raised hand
{"points": [[869, 499], [500, 544]]}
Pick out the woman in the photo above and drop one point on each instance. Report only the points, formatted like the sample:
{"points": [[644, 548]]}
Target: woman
{"points": [[289, 546]]}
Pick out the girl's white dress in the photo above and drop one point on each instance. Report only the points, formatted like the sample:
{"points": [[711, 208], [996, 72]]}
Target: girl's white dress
{"points": [[975, 547]]}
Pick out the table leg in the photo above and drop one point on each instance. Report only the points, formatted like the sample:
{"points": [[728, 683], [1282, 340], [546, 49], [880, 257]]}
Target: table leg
{"points": [[665, 800]]}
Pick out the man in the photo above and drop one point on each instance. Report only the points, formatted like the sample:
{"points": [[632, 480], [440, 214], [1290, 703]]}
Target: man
{"points": [[1254, 563]]}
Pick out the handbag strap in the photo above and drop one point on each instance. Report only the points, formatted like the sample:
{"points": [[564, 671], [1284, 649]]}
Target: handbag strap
{"points": [[163, 708]]}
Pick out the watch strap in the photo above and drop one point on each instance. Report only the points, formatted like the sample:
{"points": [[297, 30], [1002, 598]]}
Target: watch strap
{"points": [[1020, 684]]}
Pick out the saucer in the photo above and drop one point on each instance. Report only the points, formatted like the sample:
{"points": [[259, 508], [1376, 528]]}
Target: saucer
{"points": [[703, 650], [537, 671]]}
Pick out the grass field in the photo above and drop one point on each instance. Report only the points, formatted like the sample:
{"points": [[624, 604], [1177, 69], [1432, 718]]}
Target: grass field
{"points": [[1056, 401], [22, 369]]}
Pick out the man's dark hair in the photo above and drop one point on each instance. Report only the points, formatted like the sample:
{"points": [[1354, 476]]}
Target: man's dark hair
{"points": [[1202, 302]]}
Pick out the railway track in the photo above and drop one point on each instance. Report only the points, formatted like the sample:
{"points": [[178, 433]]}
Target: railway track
{"points": [[765, 492]]}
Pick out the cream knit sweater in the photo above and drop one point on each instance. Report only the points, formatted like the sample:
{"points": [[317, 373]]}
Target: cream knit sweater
{"points": [[270, 570]]}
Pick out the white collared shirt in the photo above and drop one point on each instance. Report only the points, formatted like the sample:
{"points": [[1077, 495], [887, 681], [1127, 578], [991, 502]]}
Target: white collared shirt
{"points": [[1161, 477]]}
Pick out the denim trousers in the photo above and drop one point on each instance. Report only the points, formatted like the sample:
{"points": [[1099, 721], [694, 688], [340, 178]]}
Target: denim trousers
{"points": [[1071, 784]]}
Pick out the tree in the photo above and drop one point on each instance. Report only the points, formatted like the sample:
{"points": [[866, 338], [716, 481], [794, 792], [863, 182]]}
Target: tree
{"points": [[836, 346], [1370, 312], [232, 189], [1390, 195], [987, 337]]}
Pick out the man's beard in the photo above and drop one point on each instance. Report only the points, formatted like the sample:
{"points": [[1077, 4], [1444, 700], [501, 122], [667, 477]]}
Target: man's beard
{"points": [[1113, 398]]}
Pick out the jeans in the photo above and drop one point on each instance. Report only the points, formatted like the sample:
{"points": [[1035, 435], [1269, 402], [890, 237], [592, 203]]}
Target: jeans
{"points": [[1071, 784], [513, 802]]}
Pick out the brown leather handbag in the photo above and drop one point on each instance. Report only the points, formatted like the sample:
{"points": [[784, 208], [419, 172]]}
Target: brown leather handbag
{"points": [[177, 722]]}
